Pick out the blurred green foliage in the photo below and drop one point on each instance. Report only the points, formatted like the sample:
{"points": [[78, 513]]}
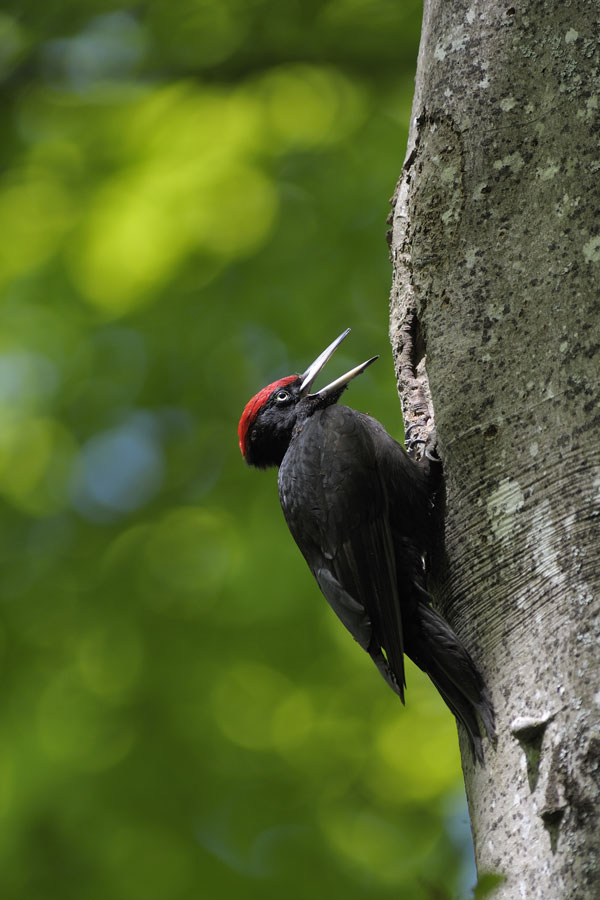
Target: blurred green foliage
{"points": [[192, 203]]}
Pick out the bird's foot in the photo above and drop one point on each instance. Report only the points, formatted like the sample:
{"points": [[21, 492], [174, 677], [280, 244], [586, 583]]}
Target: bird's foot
{"points": [[413, 435]]}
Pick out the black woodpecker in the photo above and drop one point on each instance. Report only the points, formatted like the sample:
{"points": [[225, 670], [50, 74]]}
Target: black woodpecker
{"points": [[360, 510]]}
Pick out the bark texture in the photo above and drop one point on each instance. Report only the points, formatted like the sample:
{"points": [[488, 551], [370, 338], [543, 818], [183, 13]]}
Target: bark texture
{"points": [[496, 251]]}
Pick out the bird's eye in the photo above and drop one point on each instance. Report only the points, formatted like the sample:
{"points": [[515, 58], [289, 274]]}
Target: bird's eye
{"points": [[282, 396]]}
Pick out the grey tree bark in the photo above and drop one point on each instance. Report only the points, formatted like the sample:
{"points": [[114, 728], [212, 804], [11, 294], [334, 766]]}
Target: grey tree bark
{"points": [[496, 251]]}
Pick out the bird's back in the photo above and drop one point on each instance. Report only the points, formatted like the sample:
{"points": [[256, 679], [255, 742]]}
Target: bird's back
{"points": [[343, 470]]}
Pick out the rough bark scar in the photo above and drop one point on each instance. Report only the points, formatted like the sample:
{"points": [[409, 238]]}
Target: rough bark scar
{"points": [[529, 732], [555, 803], [405, 331], [413, 385]]}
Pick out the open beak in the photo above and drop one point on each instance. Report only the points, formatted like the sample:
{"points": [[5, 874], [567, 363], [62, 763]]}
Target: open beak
{"points": [[313, 370]]}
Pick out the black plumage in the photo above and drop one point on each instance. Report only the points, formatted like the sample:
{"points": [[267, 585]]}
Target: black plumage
{"points": [[359, 509]]}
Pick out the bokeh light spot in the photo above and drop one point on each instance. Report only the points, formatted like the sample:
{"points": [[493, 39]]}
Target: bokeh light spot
{"points": [[374, 845], [36, 455], [27, 380], [244, 702], [307, 105], [119, 470], [190, 182], [192, 550], [434, 733], [34, 215], [107, 48], [110, 659], [13, 42], [293, 721], [200, 31], [75, 727]]}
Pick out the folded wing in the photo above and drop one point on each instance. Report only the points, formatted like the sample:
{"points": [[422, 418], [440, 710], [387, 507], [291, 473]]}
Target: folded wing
{"points": [[336, 507]]}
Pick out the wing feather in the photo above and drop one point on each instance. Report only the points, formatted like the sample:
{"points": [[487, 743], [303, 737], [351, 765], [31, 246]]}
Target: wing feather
{"points": [[337, 508]]}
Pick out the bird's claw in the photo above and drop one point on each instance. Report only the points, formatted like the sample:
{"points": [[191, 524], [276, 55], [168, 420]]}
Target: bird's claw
{"points": [[411, 442]]}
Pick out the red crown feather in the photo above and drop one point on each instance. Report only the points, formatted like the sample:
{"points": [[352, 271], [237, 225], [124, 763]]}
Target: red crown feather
{"points": [[253, 408]]}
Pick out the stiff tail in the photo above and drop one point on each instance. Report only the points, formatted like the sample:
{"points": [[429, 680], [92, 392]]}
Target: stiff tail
{"points": [[439, 653]]}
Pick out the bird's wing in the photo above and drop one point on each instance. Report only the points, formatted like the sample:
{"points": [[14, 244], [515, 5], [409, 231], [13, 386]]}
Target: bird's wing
{"points": [[336, 506], [407, 485]]}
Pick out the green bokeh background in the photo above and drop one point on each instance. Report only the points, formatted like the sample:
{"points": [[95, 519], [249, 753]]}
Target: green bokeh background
{"points": [[192, 203]]}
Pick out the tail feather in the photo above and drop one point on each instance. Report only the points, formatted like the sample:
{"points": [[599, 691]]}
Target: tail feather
{"points": [[438, 652]]}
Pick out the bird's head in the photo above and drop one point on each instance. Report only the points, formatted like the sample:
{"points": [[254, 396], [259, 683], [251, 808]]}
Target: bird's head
{"points": [[269, 419]]}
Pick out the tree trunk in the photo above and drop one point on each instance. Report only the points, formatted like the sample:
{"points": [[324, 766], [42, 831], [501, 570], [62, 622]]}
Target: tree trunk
{"points": [[496, 252]]}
